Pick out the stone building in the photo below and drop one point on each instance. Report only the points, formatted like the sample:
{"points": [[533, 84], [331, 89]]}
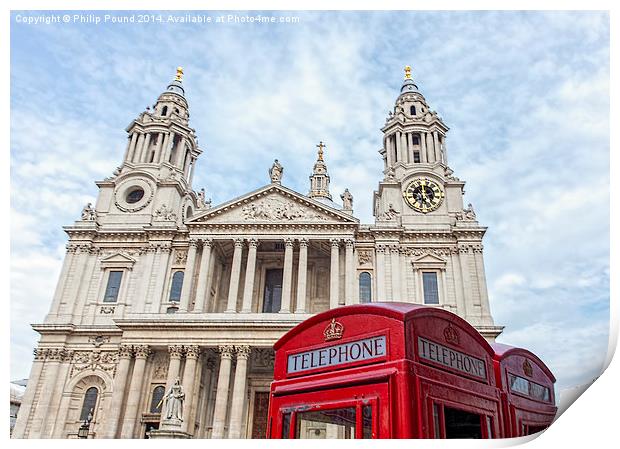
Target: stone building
{"points": [[158, 284]]}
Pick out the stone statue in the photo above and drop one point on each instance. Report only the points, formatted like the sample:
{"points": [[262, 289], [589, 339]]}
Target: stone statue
{"points": [[390, 213], [390, 176], [275, 172], [347, 200], [88, 213], [469, 212], [173, 402], [202, 202]]}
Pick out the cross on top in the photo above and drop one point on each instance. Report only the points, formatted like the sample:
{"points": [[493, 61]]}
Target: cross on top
{"points": [[320, 146], [407, 72]]}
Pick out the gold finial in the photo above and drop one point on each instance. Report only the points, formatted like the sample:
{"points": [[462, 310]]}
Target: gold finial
{"points": [[407, 72], [320, 146], [179, 76]]}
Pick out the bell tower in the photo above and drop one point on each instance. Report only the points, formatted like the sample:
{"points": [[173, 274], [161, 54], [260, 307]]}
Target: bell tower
{"points": [[417, 187], [153, 183], [319, 180]]}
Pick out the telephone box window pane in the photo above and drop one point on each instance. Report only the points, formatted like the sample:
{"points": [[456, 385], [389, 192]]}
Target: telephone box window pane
{"points": [[177, 285], [436, 422], [90, 401], [286, 425], [462, 424], [156, 401], [367, 422], [326, 424], [431, 291], [365, 288], [489, 427], [114, 284], [273, 291]]}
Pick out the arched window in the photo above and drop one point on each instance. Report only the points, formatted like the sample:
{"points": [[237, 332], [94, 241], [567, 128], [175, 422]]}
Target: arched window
{"points": [[365, 288], [412, 110], [177, 284], [158, 394], [164, 111], [90, 402]]}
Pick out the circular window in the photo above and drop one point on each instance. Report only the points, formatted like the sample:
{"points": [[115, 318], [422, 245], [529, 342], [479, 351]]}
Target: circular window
{"points": [[135, 195]]}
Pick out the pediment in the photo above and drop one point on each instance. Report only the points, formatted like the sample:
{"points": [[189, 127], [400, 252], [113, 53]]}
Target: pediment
{"points": [[273, 204], [118, 260], [429, 260]]}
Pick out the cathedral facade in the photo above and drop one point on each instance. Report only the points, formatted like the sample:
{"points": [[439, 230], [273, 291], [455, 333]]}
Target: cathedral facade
{"points": [[158, 285]]}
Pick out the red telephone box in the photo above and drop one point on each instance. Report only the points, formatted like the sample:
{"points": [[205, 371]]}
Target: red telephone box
{"points": [[384, 370], [528, 398]]}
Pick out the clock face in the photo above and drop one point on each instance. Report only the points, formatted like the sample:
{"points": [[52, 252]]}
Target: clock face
{"points": [[423, 195]]}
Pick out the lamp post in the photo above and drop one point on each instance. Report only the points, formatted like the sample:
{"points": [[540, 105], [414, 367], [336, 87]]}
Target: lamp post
{"points": [[85, 427]]}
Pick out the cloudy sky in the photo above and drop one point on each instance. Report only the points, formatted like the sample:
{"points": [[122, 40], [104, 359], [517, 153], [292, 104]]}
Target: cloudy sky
{"points": [[526, 96]]}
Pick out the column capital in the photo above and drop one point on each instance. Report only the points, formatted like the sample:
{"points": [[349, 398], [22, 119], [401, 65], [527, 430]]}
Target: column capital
{"points": [[207, 242], [192, 351], [243, 351], [193, 242], [380, 248], [125, 351], [238, 242], [253, 242], [303, 242], [226, 351], [289, 241], [349, 243], [334, 242], [142, 351], [175, 351]]}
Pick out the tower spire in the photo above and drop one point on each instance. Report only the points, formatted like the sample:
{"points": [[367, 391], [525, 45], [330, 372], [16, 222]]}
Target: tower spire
{"points": [[319, 180]]}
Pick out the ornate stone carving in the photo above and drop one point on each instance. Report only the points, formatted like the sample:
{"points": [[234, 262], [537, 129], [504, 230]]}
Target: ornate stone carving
{"points": [[243, 351], [160, 366], [174, 399], [98, 340], [39, 354], [289, 242], [226, 351], [262, 359], [303, 242], [253, 243], [89, 213], [364, 257], [93, 360], [207, 242], [349, 243], [142, 351], [467, 214], [164, 213], [180, 257], [334, 243], [347, 200], [275, 172], [107, 310], [175, 351], [125, 351], [389, 214], [276, 209], [202, 202]]}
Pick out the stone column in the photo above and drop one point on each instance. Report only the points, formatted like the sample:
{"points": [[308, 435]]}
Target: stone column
{"points": [[180, 153], [19, 431], [158, 147], [410, 147], [203, 275], [287, 277], [175, 352], [62, 280], [399, 147], [395, 266], [58, 403], [239, 389], [145, 150], [423, 156], [348, 272], [388, 151], [235, 274], [118, 391], [43, 412], [466, 280], [168, 141], [380, 270], [404, 152], [302, 272], [482, 285], [138, 150], [248, 288], [436, 147], [146, 270], [192, 353], [132, 147], [404, 271], [135, 390], [163, 259], [221, 396], [334, 274], [188, 276], [458, 283]]}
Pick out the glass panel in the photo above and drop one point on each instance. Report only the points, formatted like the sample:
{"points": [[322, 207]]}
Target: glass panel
{"points": [[462, 424], [436, 422], [273, 291], [367, 422], [177, 285], [416, 157], [489, 427], [431, 292], [286, 425], [156, 401], [323, 424], [89, 404], [529, 388], [114, 284], [365, 288]]}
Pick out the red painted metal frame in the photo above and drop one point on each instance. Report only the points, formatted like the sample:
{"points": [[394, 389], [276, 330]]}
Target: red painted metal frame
{"points": [[402, 385], [520, 410]]}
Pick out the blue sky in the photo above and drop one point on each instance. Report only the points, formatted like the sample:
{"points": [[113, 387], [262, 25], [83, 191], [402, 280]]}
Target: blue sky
{"points": [[525, 94]]}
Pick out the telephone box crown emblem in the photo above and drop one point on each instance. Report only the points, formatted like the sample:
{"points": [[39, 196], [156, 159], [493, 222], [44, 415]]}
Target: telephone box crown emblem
{"points": [[527, 368], [334, 330], [451, 335]]}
